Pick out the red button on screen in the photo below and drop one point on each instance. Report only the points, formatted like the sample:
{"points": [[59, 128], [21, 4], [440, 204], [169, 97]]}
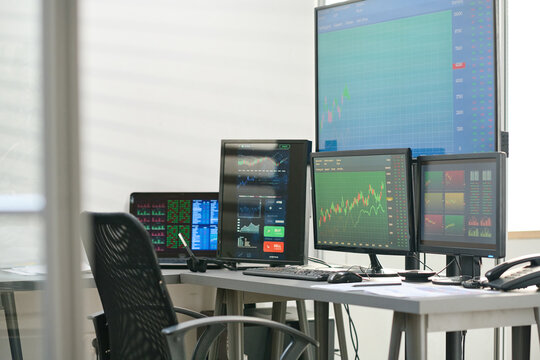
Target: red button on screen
{"points": [[273, 246]]}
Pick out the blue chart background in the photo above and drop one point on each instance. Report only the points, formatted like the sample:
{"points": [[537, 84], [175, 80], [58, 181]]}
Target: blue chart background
{"points": [[412, 108]]}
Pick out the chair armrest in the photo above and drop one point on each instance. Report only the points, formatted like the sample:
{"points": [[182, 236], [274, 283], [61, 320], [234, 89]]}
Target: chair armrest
{"points": [[175, 335], [95, 315], [191, 313], [101, 342]]}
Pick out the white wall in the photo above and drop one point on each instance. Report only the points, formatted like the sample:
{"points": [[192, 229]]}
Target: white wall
{"points": [[163, 83]]}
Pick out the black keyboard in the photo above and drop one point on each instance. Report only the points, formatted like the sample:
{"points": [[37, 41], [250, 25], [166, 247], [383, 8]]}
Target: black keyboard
{"points": [[291, 272]]}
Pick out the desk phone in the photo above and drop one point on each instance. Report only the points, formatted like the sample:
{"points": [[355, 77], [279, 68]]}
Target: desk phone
{"points": [[509, 276]]}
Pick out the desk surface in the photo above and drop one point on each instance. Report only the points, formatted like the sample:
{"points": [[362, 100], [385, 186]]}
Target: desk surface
{"points": [[17, 282], [297, 289], [481, 300]]}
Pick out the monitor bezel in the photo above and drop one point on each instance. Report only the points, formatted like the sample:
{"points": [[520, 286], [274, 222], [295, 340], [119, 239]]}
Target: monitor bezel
{"points": [[301, 256], [500, 204], [499, 108], [367, 250], [139, 196]]}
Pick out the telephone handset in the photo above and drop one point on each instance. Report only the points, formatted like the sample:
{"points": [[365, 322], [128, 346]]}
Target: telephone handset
{"points": [[506, 277]]}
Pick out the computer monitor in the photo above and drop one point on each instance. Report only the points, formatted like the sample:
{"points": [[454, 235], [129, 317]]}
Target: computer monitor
{"points": [[462, 204], [263, 199], [421, 74], [362, 202], [164, 215]]}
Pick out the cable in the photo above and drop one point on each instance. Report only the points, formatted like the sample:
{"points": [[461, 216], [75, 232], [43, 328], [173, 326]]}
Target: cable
{"points": [[447, 265], [463, 333], [318, 261], [352, 329], [421, 262]]}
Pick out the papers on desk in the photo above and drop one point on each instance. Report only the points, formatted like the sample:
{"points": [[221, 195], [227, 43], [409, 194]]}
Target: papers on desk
{"points": [[377, 282], [421, 290], [379, 286]]}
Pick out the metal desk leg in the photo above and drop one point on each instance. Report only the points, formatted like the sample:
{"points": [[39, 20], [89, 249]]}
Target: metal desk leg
{"points": [[8, 302], [453, 345], [416, 339], [279, 310], [304, 327], [398, 325], [321, 328], [235, 306], [218, 310], [521, 342], [340, 327]]}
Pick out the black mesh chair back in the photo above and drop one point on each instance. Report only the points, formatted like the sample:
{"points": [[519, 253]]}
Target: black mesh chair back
{"points": [[135, 299]]}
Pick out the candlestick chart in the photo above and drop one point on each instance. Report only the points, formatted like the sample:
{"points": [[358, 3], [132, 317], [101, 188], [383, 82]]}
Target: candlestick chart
{"points": [[332, 107], [352, 206]]}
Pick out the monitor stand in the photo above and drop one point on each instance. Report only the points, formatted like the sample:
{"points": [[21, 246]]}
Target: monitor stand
{"points": [[376, 270]]}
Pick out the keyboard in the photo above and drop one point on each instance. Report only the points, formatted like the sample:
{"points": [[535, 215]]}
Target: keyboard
{"points": [[291, 272]]}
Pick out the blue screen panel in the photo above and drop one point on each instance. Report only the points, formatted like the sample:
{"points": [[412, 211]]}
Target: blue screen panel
{"points": [[416, 73]]}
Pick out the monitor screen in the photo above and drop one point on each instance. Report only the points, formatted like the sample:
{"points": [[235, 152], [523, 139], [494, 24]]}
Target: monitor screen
{"points": [[418, 73], [362, 201], [462, 204], [263, 201], [164, 215]]}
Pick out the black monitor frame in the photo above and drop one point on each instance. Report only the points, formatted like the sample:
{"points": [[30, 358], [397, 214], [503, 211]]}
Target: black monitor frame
{"points": [[500, 204], [499, 57], [297, 210], [368, 250], [163, 196]]}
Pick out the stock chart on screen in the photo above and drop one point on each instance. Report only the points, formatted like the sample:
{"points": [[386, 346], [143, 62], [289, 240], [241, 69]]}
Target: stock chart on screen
{"points": [[361, 200], [416, 73], [460, 203]]}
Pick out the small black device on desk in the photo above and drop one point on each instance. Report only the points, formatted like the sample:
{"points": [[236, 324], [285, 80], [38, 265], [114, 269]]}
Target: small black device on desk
{"points": [[417, 275]]}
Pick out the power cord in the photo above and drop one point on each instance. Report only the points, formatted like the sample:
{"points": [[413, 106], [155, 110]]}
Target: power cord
{"points": [[463, 333], [421, 262], [352, 332], [318, 261], [447, 265]]}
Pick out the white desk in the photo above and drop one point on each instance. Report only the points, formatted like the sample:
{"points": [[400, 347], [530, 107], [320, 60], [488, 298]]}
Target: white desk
{"points": [[416, 315]]}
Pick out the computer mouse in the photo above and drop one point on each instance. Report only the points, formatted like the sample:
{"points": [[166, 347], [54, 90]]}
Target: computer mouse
{"points": [[344, 277]]}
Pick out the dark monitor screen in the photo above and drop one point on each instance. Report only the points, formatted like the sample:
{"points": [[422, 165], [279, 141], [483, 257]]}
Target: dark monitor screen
{"points": [[362, 201], [164, 215], [263, 201], [418, 73], [462, 204]]}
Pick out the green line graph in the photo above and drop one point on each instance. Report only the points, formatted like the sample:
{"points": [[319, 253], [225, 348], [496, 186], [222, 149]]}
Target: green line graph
{"points": [[352, 206]]}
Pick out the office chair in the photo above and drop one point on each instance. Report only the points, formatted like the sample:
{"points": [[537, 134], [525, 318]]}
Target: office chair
{"points": [[138, 319]]}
